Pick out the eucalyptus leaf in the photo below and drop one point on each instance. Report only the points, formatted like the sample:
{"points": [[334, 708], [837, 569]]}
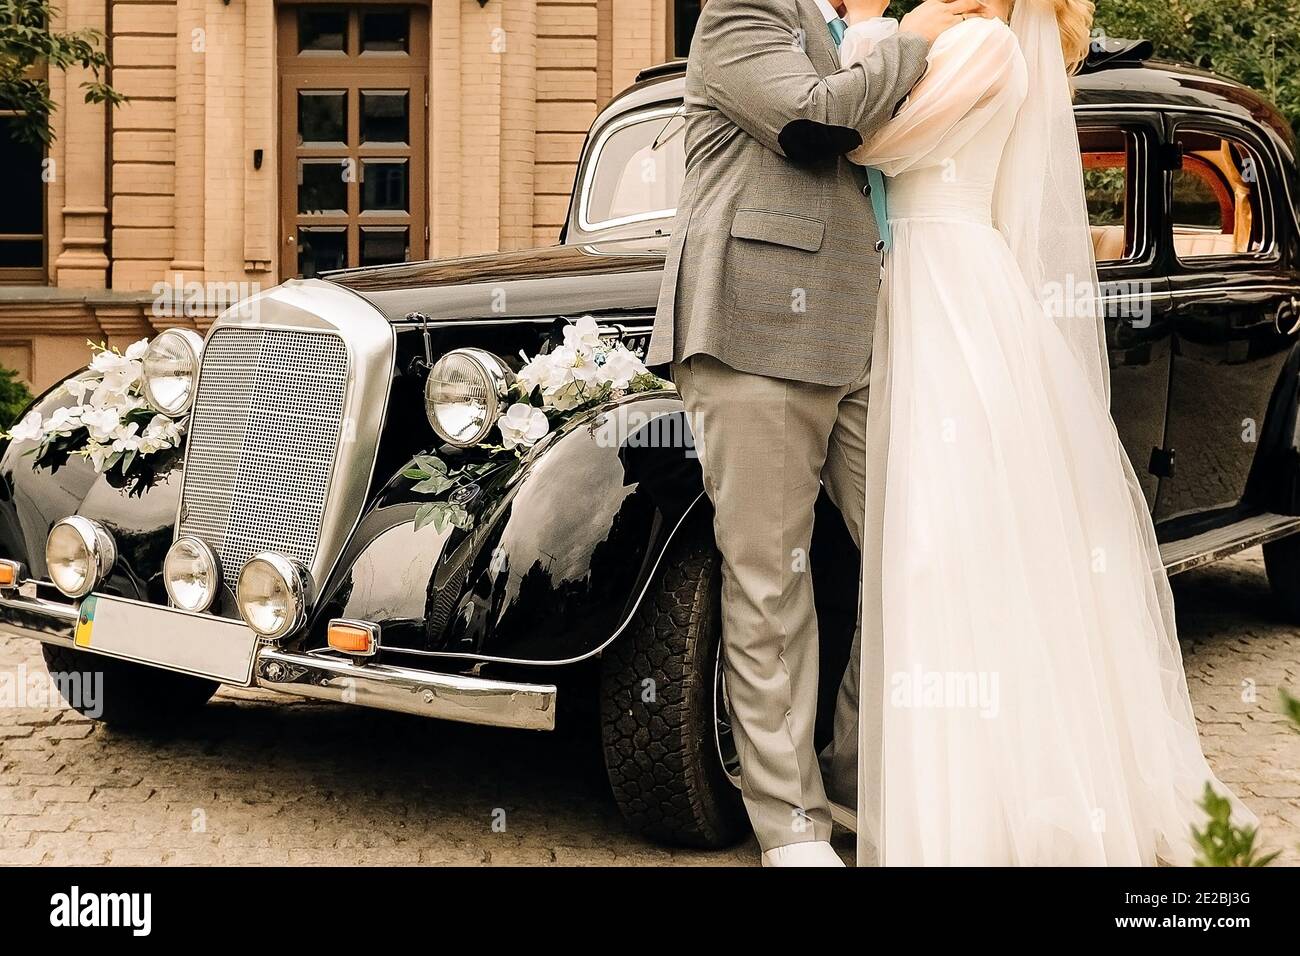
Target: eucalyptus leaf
{"points": [[425, 514], [431, 463], [433, 485]]}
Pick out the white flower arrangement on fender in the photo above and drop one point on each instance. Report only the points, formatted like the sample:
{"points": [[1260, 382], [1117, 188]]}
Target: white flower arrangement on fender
{"points": [[551, 388], [110, 425]]}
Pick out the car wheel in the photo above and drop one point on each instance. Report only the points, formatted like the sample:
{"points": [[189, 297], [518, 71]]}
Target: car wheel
{"points": [[667, 737], [130, 696]]}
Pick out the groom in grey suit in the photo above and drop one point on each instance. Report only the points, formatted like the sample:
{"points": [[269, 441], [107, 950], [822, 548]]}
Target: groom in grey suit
{"points": [[766, 314]]}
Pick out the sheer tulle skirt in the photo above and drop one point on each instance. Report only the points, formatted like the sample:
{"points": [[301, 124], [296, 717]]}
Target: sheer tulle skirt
{"points": [[1024, 700]]}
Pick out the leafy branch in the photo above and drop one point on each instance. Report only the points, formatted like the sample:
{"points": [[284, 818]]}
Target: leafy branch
{"points": [[27, 43], [433, 476]]}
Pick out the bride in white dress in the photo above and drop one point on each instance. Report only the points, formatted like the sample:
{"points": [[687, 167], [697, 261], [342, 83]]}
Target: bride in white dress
{"points": [[1023, 696]]}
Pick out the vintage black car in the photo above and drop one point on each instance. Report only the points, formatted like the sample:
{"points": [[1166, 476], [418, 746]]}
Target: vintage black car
{"points": [[592, 556]]}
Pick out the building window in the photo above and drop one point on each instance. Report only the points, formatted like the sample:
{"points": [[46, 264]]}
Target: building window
{"points": [[352, 129], [22, 214], [685, 15]]}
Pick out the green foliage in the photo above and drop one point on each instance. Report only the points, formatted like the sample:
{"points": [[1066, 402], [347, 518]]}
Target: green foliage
{"points": [[433, 476], [27, 43], [14, 397], [1291, 707], [1220, 842], [1254, 41]]}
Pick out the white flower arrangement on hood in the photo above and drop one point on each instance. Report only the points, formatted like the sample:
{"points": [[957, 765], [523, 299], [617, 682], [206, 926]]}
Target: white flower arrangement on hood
{"points": [[110, 423], [585, 369]]}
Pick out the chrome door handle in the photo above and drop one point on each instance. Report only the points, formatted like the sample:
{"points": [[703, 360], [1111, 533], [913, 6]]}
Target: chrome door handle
{"points": [[1288, 313]]}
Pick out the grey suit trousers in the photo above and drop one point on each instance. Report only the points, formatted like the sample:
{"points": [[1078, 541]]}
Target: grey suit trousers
{"points": [[766, 445]]}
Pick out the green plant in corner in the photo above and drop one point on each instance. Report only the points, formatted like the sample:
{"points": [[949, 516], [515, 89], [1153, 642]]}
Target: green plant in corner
{"points": [[1221, 843], [28, 43], [15, 396], [1291, 707]]}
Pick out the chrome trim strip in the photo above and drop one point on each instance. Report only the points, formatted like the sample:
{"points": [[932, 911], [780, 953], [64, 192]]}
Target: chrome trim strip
{"points": [[470, 700]]}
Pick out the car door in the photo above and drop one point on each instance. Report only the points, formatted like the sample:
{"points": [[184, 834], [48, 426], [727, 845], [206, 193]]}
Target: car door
{"points": [[1233, 317], [1123, 186]]}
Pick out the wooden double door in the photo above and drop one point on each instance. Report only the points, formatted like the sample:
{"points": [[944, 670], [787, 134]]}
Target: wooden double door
{"points": [[353, 135]]}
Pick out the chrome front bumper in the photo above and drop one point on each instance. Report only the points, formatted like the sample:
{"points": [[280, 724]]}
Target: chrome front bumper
{"points": [[326, 676]]}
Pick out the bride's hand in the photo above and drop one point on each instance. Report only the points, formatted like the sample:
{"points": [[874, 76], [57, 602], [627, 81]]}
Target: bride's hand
{"points": [[935, 16]]}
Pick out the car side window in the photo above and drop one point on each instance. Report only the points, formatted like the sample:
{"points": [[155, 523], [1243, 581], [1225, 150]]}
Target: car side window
{"points": [[1110, 163], [636, 170], [1218, 206]]}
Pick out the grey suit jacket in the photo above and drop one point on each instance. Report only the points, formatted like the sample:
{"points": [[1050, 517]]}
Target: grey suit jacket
{"points": [[772, 267]]}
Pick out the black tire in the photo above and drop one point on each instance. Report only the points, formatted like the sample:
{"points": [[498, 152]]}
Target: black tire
{"points": [[665, 757], [131, 696], [1282, 562]]}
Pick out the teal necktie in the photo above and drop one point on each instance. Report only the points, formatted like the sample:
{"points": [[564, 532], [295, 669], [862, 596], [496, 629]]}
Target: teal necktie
{"points": [[875, 181]]}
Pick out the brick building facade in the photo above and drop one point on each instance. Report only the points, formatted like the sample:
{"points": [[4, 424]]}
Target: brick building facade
{"points": [[269, 139]]}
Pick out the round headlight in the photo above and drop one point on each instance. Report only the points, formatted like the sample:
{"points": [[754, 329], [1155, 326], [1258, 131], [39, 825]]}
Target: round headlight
{"points": [[79, 553], [463, 394], [272, 595], [191, 574], [170, 367]]}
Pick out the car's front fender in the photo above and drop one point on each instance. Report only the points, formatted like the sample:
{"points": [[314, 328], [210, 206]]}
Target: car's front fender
{"points": [[564, 545]]}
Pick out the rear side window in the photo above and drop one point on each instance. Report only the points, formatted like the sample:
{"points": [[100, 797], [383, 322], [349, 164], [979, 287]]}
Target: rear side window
{"points": [[636, 170], [1110, 162], [1219, 200]]}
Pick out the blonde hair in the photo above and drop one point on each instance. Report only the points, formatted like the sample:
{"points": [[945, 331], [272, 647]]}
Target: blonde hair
{"points": [[1074, 17]]}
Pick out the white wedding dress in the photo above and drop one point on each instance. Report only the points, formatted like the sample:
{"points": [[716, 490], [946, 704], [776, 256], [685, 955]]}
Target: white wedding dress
{"points": [[1023, 699]]}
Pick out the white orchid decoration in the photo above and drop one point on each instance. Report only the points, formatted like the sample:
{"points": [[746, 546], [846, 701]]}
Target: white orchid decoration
{"points": [[587, 368], [522, 426], [110, 424]]}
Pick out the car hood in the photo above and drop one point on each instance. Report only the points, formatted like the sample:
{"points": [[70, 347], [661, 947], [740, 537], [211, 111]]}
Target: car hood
{"points": [[607, 277]]}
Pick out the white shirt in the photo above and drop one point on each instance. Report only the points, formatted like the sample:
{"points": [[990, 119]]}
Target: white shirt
{"points": [[827, 10]]}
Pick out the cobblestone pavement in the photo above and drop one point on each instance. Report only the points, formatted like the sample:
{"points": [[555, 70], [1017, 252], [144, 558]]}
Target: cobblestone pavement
{"points": [[257, 780]]}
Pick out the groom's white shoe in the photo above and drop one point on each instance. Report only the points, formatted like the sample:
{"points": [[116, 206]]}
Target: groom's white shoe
{"points": [[812, 853]]}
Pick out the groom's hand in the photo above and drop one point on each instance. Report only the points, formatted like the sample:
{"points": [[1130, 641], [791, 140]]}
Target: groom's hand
{"points": [[935, 16]]}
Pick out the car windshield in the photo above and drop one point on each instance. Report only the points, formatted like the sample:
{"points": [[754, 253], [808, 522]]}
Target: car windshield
{"points": [[636, 171]]}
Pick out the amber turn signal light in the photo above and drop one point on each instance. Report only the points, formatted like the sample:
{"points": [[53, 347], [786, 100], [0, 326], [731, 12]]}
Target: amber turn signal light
{"points": [[359, 638], [11, 574]]}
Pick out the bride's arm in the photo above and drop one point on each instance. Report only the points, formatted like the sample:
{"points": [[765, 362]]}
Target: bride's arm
{"points": [[967, 65]]}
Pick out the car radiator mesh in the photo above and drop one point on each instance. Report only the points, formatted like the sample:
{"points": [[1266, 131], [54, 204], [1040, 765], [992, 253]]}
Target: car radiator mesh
{"points": [[262, 443]]}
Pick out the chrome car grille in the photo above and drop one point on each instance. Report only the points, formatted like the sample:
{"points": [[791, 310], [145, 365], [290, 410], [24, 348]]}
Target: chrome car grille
{"points": [[262, 442]]}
